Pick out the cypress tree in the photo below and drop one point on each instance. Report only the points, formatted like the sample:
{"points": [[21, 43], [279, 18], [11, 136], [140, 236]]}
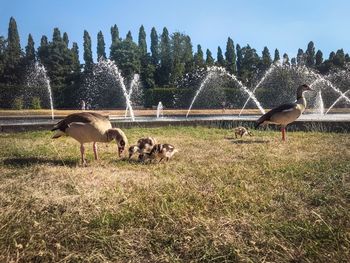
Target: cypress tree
{"points": [[65, 39], [293, 61], [75, 57], [87, 51], [318, 58], [310, 54], [239, 58], [300, 57], [331, 56], [209, 61], [230, 56], [266, 59], [220, 58], [165, 58], [30, 50], [285, 59], [115, 39], [339, 58], [2, 56], [154, 47], [129, 36], [188, 55], [277, 56], [142, 41], [43, 50], [199, 57], [13, 51], [101, 52]]}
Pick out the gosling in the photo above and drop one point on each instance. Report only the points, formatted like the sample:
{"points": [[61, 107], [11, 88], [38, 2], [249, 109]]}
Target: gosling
{"points": [[143, 146], [241, 131], [162, 151]]}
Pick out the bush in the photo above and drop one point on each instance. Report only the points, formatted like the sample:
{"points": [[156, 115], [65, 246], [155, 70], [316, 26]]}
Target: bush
{"points": [[35, 103], [17, 103]]}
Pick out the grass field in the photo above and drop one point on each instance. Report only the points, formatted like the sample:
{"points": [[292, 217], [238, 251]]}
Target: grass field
{"points": [[219, 200]]}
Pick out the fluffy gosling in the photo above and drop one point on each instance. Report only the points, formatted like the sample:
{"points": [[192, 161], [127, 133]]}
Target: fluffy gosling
{"points": [[162, 151], [242, 131]]}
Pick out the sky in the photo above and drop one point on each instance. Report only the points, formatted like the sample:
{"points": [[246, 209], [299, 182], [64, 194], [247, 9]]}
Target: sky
{"points": [[286, 25]]}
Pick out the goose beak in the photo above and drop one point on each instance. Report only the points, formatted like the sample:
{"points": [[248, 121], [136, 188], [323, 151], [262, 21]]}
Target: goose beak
{"points": [[120, 151]]}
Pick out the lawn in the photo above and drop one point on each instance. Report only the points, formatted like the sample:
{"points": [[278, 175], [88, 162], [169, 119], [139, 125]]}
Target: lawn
{"points": [[219, 199]]}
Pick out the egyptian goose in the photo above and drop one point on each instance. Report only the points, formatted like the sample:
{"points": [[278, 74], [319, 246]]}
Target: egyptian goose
{"points": [[144, 145], [286, 113], [162, 151], [242, 131], [90, 127]]}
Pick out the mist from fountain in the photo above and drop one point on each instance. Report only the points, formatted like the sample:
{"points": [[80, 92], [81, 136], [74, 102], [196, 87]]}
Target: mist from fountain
{"points": [[160, 110], [109, 67], [213, 71], [133, 86], [319, 103], [336, 101], [36, 77]]}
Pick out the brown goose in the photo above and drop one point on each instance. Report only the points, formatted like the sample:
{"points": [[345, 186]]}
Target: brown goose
{"points": [[286, 113], [90, 127]]}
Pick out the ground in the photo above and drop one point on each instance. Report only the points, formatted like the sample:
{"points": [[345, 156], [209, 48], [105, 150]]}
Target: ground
{"points": [[219, 199]]}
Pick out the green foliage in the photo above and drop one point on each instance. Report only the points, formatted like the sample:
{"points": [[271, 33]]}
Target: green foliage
{"points": [[87, 51], [35, 103], [266, 60], [101, 52], [310, 54], [30, 50], [276, 56], [230, 56], [319, 58], [18, 103], [220, 58], [154, 47], [199, 57], [165, 59], [142, 41], [209, 61]]}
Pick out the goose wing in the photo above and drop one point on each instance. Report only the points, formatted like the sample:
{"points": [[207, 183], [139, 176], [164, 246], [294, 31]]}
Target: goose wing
{"points": [[282, 108]]}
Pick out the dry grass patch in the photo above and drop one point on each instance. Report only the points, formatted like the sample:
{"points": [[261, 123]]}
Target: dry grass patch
{"points": [[219, 199]]}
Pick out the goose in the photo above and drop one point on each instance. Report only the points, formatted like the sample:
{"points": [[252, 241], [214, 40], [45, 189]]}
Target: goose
{"points": [[286, 113], [162, 151], [143, 146], [242, 131], [90, 127]]}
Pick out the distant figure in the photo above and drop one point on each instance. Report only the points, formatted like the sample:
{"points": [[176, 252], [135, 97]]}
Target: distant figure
{"points": [[82, 105]]}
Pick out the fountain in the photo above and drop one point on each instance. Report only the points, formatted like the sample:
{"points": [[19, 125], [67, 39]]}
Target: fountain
{"points": [[109, 67], [214, 70], [336, 101], [319, 103], [134, 85], [38, 76], [160, 110]]}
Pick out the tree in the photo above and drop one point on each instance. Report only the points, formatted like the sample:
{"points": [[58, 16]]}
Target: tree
{"points": [[2, 55], [239, 58], [142, 41], [265, 59], [230, 56], [154, 47], [318, 58], [300, 57], [30, 50], [220, 58], [310, 54], [87, 51], [129, 36], [209, 61], [115, 39], [339, 58], [101, 52], [250, 63], [293, 61], [286, 59], [165, 58], [199, 57], [43, 50], [65, 39], [277, 56]]}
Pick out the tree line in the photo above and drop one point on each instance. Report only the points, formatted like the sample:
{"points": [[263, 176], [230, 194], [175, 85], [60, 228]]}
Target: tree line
{"points": [[161, 67]]}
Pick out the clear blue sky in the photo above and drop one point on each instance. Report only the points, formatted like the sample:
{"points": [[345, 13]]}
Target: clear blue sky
{"points": [[286, 25]]}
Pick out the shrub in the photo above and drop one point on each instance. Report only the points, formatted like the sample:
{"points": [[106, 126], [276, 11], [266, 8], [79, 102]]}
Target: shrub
{"points": [[35, 103], [17, 103]]}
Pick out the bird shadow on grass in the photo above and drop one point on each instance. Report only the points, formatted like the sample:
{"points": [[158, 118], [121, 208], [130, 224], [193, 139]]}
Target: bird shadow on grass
{"points": [[31, 161], [241, 141]]}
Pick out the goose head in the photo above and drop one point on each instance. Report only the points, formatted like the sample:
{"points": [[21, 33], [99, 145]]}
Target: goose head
{"points": [[119, 137]]}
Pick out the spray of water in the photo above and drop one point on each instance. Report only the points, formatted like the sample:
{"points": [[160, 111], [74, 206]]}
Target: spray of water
{"points": [[214, 71], [133, 85], [319, 103], [160, 110], [336, 101]]}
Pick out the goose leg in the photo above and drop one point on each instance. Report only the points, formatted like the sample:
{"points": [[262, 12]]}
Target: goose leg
{"points": [[95, 150], [82, 151], [283, 130]]}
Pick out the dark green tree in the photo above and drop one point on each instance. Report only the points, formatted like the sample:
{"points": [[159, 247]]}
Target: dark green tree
{"points": [[310, 54], [30, 50], [293, 61], [115, 39], [286, 59], [265, 59], [318, 58], [165, 59], [87, 51], [66, 39], [300, 57], [220, 58], [142, 41], [239, 58], [43, 50], [277, 56], [209, 61], [101, 46], [230, 56], [199, 57], [2, 56], [129, 36], [154, 47], [250, 64], [339, 58]]}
